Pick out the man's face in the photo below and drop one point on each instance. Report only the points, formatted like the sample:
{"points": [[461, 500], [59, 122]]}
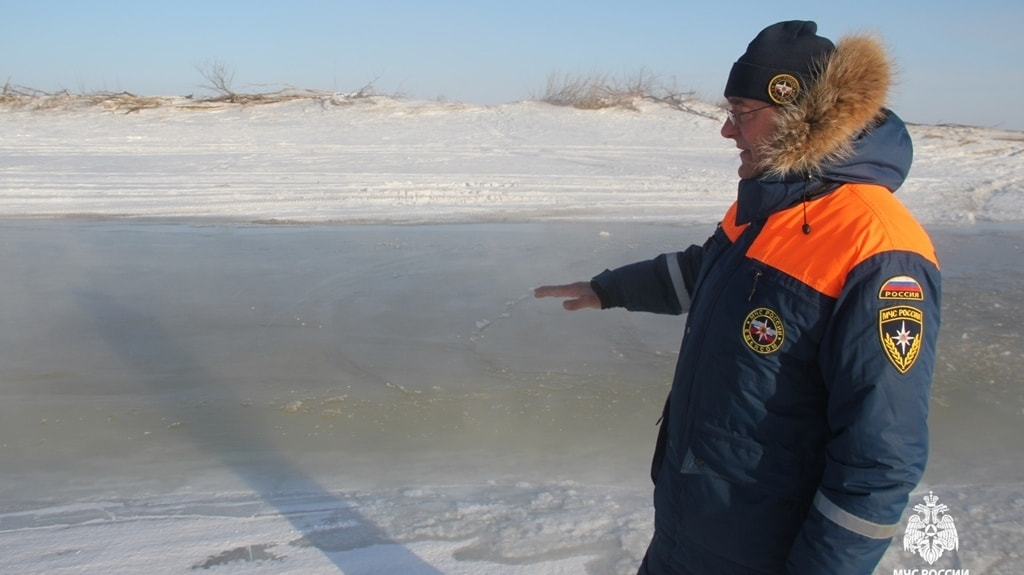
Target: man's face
{"points": [[753, 122]]}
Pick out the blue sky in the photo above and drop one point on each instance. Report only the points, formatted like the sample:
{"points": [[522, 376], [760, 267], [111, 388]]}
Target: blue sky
{"points": [[957, 62]]}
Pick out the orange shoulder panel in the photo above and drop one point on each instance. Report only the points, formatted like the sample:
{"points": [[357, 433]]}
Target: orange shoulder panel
{"points": [[848, 226], [732, 231]]}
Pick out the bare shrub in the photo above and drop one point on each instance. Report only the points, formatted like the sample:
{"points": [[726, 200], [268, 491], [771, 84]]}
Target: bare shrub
{"points": [[599, 91], [22, 97], [124, 101], [7, 94], [219, 79], [15, 95], [586, 92]]}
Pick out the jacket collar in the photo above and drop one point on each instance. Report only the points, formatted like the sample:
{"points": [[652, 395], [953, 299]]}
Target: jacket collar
{"points": [[881, 154]]}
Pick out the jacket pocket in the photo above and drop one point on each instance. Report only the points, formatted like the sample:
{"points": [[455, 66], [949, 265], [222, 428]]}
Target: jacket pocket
{"points": [[744, 461]]}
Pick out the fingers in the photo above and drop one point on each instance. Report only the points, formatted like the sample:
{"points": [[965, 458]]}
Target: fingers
{"points": [[573, 290], [554, 291], [579, 295]]}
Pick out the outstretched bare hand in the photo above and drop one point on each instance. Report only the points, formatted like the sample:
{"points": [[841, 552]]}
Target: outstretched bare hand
{"points": [[579, 295]]}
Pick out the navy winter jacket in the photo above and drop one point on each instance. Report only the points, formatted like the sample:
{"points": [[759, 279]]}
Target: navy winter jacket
{"points": [[796, 426]]}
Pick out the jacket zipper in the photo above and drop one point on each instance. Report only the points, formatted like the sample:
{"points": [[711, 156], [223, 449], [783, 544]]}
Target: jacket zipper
{"points": [[741, 243], [753, 288]]}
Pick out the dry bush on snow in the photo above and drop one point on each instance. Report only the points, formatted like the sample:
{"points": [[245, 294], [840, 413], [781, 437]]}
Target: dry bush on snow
{"points": [[600, 91], [14, 96], [22, 97], [591, 92], [587, 92], [219, 79], [125, 101]]}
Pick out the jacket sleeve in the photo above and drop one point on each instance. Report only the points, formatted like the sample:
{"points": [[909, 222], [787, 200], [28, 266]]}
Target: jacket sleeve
{"points": [[877, 361], [661, 285]]}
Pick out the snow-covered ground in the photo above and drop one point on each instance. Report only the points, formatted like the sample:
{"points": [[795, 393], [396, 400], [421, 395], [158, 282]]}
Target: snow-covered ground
{"points": [[299, 337], [421, 162]]}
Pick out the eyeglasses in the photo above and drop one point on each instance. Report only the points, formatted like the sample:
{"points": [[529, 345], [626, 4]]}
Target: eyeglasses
{"points": [[735, 117]]}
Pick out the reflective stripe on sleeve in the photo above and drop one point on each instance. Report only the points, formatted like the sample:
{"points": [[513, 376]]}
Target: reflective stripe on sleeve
{"points": [[853, 523], [676, 273]]}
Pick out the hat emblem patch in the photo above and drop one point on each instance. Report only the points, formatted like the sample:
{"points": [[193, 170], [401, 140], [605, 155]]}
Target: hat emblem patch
{"points": [[784, 89]]}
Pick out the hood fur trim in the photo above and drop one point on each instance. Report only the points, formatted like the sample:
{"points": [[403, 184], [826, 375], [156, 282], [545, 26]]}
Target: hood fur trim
{"points": [[849, 96]]}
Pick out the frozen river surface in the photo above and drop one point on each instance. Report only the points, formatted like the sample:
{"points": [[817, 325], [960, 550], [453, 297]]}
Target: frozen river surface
{"points": [[326, 390]]}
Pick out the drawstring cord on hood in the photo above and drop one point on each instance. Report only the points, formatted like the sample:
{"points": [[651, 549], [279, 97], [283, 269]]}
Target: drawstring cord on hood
{"points": [[810, 193]]}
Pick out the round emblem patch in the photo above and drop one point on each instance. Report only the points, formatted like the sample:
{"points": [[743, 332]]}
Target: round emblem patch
{"points": [[784, 89], [763, 331]]}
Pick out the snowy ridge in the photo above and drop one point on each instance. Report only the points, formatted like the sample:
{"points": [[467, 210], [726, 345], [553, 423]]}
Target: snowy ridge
{"points": [[392, 161]]}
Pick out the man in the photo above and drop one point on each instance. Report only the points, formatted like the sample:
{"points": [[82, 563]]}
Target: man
{"points": [[796, 424]]}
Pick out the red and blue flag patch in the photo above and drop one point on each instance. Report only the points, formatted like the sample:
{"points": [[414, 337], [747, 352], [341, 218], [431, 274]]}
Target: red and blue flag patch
{"points": [[901, 287]]}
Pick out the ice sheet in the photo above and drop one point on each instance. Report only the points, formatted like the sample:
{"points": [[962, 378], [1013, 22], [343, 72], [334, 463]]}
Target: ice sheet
{"points": [[379, 392]]}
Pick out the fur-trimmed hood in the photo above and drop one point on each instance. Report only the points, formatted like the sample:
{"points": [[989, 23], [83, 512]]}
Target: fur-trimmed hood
{"points": [[847, 98], [880, 155]]}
